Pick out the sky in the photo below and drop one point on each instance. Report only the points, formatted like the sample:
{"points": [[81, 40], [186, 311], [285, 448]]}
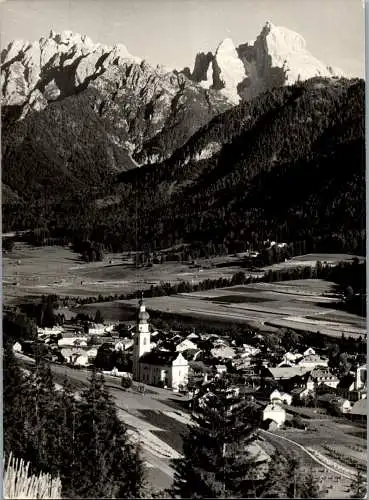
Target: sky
{"points": [[171, 32]]}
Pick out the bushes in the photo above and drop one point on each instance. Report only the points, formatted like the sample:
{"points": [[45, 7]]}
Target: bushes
{"points": [[126, 382]]}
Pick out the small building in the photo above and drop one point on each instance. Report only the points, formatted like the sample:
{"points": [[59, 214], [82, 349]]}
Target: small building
{"points": [[223, 352], [275, 413], [185, 344], [344, 405], [75, 357], [221, 369], [320, 376], [312, 361], [280, 397], [81, 360], [100, 329], [17, 347], [285, 373], [72, 341], [309, 352], [353, 386], [290, 359], [123, 344], [300, 394], [91, 354]]}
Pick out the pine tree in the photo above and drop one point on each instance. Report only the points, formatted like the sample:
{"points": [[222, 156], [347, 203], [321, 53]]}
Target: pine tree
{"points": [[308, 486], [278, 481], [359, 487], [40, 428], [215, 462], [15, 410], [106, 463]]}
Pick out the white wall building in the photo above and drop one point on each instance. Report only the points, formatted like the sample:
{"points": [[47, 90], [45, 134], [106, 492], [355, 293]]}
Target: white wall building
{"points": [[275, 413], [280, 397], [155, 367], [320, 376], [312, 361], [72, 341], [17, 347]]}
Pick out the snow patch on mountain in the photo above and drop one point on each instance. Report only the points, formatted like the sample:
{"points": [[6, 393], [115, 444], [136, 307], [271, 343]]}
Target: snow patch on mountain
{"points": [[208, 151]]}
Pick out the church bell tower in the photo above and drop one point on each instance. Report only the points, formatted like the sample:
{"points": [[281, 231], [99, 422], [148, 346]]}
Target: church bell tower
{"points": [[141, 343]]}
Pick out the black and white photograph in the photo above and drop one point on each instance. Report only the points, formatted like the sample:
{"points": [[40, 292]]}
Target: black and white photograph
{"points": [[184, 306]]}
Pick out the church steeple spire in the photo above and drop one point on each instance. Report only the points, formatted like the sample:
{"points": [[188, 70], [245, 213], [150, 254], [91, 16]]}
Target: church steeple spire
{"points": [[142, 338]]}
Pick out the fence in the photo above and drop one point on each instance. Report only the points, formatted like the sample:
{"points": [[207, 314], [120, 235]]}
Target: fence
{"points": [[18, 483]]}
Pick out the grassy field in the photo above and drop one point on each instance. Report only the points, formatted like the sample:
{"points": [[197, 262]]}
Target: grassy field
{"points": [[292, 304], [35, 271]]}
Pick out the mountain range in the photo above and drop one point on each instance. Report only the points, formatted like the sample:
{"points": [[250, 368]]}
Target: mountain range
{"points": [[91, 134]]}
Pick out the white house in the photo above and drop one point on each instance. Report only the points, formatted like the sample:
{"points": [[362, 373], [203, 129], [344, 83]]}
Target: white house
{"points": [[285, 373], [91, 354], [17, 347], [186, 344], [309, 351], [344, 405], [280, 397], [221, 369], [249, 350], [81, 360], [312, 361], [275, 413], [123, 344], [156, 367], [72, 341], [290, 358], [100, 329], [320, 376], [55, 330], [73, 357], [223, 352]]}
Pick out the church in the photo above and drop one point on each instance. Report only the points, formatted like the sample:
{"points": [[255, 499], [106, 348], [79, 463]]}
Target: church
{"points": [[155, 367]]}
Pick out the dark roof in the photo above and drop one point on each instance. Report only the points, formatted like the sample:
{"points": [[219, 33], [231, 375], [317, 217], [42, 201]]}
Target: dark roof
{"points": [[160, 358], [189, 353], [200, 366], [345, 382]]}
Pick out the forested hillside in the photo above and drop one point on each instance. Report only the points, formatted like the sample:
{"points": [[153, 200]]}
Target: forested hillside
{"points": [[288, 165]]}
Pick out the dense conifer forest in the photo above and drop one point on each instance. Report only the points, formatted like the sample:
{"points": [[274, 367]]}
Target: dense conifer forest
{"points": [[290, 168]]}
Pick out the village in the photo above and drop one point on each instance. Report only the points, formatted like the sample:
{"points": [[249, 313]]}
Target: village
{"points": [[288, 383]]}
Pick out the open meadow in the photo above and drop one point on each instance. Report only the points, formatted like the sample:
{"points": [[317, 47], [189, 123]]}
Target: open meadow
{"points": [[299, 304], [294, 304], [36, 271]]}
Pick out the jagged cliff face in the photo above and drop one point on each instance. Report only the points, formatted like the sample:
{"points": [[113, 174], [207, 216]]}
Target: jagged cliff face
{"points": [[148, 112], [141, 101], [277, 57]]}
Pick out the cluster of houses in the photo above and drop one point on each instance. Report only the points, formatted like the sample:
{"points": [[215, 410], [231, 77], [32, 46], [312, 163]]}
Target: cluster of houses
{"points": [[188, 362]]}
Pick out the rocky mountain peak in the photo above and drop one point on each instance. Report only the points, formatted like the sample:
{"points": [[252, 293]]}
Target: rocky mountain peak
{"points": [[62, 62], [277, 57]]}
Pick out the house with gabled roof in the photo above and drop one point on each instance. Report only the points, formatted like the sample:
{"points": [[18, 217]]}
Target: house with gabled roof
{"points": [[320, 376]]}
